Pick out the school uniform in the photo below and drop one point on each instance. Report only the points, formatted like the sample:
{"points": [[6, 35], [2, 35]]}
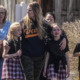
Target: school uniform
{"points": [[57, 60], [11, 66]]}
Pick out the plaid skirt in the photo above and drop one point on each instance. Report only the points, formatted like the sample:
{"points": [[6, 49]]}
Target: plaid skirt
{"points": [[61, 75], [12, 69]]}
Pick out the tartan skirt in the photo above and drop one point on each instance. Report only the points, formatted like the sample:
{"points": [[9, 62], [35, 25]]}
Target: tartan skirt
{"points": [[61, 75], [12, 69]]}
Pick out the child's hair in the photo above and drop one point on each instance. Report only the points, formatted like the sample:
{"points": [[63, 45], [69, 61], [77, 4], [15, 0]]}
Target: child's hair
{"points": [[12, 28], [2, 7], [54, 25]]}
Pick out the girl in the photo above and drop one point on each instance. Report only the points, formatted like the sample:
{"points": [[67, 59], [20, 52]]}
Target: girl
{"points": [[11, 65], [56, 59]]}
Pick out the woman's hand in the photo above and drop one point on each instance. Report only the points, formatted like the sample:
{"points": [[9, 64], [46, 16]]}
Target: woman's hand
{"points": [[63, 44], [19, 53]]}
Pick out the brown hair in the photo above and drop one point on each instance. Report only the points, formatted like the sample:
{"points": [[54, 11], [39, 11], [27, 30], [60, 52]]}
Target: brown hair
{"points": [[38, 17], [2, 7]]}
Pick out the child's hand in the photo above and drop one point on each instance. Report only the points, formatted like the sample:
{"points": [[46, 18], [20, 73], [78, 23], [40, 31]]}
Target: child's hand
{"points": [[44, 73], [68, 72], [19, 52]]}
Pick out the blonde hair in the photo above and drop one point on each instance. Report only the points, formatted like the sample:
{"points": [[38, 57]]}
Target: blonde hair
{"points": [[2, 7], [38, 17], [12, 28]]}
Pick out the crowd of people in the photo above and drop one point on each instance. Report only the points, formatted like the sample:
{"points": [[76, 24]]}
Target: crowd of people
{"points": [[36, 48]]}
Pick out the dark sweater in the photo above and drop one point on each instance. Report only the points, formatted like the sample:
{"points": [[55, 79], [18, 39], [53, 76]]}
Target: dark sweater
{"points": [[32, 45]]}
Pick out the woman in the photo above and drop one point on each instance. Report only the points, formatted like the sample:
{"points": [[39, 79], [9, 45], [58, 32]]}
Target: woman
{"points": [[33, 47], [4, 27], [35, 30]]}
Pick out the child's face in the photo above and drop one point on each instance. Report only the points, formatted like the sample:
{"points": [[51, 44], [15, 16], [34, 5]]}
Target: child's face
{"points": [[17, 32], [56, 31], [50, 18]]}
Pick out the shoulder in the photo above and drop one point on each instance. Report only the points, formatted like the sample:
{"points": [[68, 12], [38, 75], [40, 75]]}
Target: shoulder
{"points": [[77, 48], [45, 23], [46, 26], [10, 42], [21, 21], [78, 45]]}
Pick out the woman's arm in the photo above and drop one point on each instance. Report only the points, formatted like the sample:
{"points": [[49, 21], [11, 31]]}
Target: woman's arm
{"points": [[46, 63], [68, 64], [5, 53], [64, 40]]}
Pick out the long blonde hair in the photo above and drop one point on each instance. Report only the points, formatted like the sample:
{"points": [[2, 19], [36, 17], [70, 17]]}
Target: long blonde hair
{"points": [[2, 7], [12, 28], [38, 17]]}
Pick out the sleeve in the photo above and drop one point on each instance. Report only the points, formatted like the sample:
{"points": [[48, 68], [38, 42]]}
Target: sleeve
{"points": [[67, 48], [64, 35], [77, 48], [47, 29]]}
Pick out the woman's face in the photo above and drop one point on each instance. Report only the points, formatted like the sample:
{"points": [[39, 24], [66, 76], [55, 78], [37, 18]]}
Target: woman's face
{"points": [[49, 18], [56, 31], [30, 12], [2, 14]]}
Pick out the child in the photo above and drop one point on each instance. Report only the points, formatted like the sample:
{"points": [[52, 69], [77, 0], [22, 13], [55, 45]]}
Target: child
{"points": [[56, 59], [11, 65], [76, 53]]}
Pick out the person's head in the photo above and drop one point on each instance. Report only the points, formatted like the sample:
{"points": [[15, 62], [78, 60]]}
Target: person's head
{"points": [[34, 13], [56, 30], [14, 30], [50, 17], [3, 14]]}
